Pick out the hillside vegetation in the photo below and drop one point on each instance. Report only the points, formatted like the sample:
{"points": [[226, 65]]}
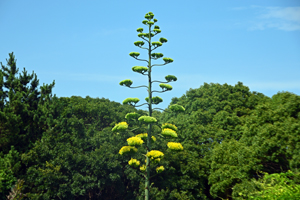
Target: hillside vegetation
{"points": [[237, 144]]}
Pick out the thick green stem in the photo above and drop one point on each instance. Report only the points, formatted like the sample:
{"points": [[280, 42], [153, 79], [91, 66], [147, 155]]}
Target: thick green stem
{"points": [[147, 181]]}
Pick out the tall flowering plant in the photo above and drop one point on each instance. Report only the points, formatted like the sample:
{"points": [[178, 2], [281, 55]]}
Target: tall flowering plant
{"points": [[144, 140]]}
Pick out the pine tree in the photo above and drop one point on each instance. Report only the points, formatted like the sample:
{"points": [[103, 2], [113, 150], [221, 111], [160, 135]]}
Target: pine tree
{"points": [[20, 102], [168, 130]]}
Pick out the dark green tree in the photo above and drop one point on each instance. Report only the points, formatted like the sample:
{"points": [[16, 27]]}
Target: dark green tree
{"points": [[20, 98], [77, 158], [22, 119]]}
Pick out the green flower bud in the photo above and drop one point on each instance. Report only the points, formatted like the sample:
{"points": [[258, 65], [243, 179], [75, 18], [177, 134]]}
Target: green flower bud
{"points": [[170, 78], [134, 54], [147, 119], [140, 69], [147, 16], [177, 108], [155, 20], [157, 55], [168, 60], [163, 40], [129, 101], [130, 116], [126, 82], [156, 27], [155, 100], [156, 44], [157, 30], [165, 86], [150, 23], [139, 43], [139, 30], [145, 22]]}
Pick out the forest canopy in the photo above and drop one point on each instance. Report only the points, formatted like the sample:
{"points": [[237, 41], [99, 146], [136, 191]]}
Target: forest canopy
{"points": [[237, 144]]}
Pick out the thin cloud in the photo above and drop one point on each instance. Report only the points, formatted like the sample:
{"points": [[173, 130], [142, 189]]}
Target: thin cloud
{"points": [[286, 19], [280, 18]]}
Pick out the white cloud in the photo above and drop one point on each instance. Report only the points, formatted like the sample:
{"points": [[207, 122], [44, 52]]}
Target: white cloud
{"points": [[281, 18]]}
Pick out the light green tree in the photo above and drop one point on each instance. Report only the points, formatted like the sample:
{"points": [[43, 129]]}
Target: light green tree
{"points": [[153, 157]]}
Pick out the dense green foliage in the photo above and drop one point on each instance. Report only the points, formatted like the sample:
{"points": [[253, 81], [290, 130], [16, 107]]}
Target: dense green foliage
{"points": [[237, 144]]}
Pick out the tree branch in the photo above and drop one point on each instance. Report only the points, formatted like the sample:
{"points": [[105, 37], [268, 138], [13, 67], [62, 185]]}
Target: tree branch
{"points": [[158, 65], [141, 59], [137, 86]]}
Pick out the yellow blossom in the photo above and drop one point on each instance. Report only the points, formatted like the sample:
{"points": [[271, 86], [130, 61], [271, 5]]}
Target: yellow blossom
{"points": [[143, 168], [175, 146], [135, 141], [154, 154], [134, 162], [160, 169], [171, 126], [122, 126], [127, 149], [142, 135], [153, 138], [169, 132], [145, 135]]}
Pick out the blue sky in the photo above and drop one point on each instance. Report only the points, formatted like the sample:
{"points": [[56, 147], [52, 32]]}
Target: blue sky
{"points": [[84, 45]]}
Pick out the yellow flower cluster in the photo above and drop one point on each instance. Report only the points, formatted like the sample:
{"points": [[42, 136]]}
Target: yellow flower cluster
{"points": [[127, 149], [169, 132], [145, 135], [135, 141], [120, 127], [142, 135], [143, 168], [154, 154], [171, 126], [153, 138], [160, 169], [175, 146], [134, 162]]}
